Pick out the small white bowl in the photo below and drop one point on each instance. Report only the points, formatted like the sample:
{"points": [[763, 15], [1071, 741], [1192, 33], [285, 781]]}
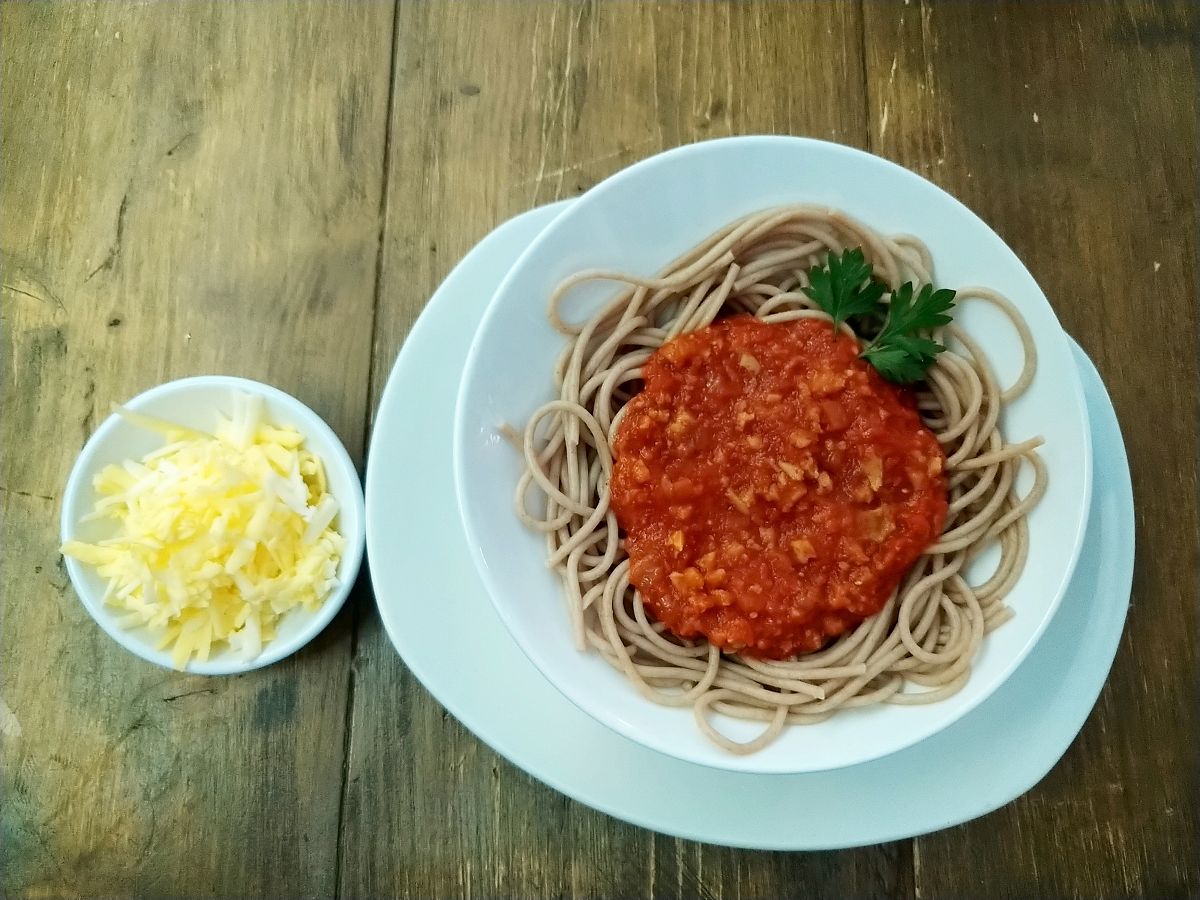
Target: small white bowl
{"points": [[637, 220], [196, 402]]}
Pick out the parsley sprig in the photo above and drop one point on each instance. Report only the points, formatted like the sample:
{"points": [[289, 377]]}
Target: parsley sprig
{"points": [[900, 350], [844, 287]]}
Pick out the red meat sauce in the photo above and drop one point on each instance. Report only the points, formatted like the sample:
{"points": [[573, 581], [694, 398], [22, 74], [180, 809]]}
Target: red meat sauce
{"points": [[772, 487]]}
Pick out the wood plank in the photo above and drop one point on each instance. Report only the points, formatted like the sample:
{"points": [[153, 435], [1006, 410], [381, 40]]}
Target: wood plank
{"points": [[1071, 128], [188, 188], [499, 107]]}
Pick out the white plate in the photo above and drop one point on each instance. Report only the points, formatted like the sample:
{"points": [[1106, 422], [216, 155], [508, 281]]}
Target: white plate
{"points": [[650, 213], [992, 755]]}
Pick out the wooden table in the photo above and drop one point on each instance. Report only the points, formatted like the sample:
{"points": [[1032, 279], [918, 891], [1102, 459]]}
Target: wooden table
{"points": [[273, 190]]}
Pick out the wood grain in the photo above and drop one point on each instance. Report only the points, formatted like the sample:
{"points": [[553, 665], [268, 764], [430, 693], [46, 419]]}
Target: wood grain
{"points": [[188, 188], [275, 190], [1071, 128], [480, 133]]}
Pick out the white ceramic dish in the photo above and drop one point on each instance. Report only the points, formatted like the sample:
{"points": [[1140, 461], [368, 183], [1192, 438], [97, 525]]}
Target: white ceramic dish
{"points": [[636, 221], [990, 756], [196, 402]]}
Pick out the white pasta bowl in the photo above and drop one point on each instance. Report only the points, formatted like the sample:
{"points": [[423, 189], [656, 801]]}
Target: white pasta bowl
{"points": [[196, 402], [637, 221]]}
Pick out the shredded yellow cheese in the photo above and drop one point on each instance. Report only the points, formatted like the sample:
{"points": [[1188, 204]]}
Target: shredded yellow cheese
{"points": [[217, 536]]}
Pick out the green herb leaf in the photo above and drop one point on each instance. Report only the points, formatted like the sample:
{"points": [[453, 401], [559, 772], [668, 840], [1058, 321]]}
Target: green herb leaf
{"points": [[899, 352], [844, 286], [895, 364], [927, 311]]}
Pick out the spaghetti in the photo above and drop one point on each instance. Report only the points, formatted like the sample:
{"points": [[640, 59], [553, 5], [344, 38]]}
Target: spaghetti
{"points": [[920, 646]]}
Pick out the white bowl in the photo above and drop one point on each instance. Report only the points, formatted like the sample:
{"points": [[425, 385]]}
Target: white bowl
{"points": [[196, 402], [637, 221]]}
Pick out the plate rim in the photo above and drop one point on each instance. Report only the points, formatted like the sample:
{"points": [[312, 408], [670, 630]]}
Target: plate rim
{"points": [[471, 721], [762, 762]]}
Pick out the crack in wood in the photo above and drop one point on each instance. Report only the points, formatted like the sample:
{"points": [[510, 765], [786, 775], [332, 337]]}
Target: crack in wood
{"points": [[89, 418], [175, 697], [115, 250], [17, 290], [13, 266], [29, 494], [179, 143]]}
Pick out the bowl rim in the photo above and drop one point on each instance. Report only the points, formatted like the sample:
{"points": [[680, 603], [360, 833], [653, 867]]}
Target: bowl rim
{"points": [[353, 507], [600, 711]]}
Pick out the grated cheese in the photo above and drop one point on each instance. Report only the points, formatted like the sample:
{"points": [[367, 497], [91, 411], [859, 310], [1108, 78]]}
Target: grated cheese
{"points": [[217, 536]]}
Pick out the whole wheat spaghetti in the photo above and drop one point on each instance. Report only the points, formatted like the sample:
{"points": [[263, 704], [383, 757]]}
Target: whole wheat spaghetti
{"points": [[920, 647]]}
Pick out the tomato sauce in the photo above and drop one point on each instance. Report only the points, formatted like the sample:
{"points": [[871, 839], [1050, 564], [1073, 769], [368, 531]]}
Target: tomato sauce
{"points": [[772, 487]]}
